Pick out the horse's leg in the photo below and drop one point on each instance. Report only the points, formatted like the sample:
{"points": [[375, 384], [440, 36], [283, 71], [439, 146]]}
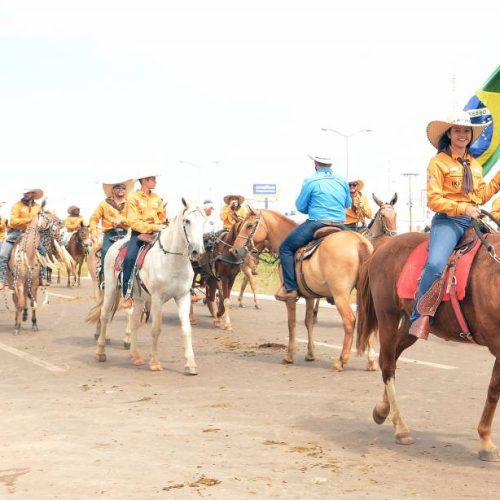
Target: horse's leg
{"points": [[372, 355], [190, 367], [348, 321], [309, 322], [226, 288], [316, 310], [487, 450], [107, 306], [291, 309], [128, 330], [392, 340], [156, 304], [79, 273], [133, 323], [58, 275], [244, 284], [251, 279], [68, 272], [34, 326]]}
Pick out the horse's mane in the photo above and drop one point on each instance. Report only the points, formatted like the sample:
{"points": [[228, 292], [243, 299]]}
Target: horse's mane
{"points": [[280, 216]]}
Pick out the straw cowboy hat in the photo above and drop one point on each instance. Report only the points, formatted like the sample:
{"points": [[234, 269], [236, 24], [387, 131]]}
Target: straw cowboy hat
{"points": [[359, 184], [323, 159], [436, 129], [73, 208], [145, 176], [108, 187], [238, 197], [38, 193]]}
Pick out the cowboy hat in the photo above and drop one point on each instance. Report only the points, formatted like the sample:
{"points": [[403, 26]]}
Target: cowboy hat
{"points": [[359, 184], [38, 193], [73, 208], [238, 197], [323, 159], [145, 176], [436, 129], [108, 187]]}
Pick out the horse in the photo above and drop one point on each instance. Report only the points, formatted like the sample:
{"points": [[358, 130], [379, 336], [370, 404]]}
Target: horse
{"points": [[345, 250], [24, 266], [166, 273], [379, 307], [382, 226], [77, 247]]}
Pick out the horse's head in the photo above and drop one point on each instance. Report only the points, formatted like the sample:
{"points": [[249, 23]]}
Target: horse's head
{"points": [[47, 222], [193, 223], [251, 234], [385, 217], [84, 234]]}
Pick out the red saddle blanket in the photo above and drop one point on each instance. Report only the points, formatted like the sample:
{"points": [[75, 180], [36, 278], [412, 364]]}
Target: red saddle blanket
{"points": [[414, 265], [121, 257]]}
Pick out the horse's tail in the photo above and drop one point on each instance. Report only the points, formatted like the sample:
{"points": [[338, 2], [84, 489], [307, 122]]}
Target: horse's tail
{"points": [[366, 322], [94, 314]]}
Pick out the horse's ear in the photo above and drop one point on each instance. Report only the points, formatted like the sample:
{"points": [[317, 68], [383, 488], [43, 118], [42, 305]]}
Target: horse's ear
{"points": [[184, 202], [251, 210], [394, 199], [377, 200], [43, 205]]}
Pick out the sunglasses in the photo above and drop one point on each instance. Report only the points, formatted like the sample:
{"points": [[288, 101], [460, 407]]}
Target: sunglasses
{"points": [[119, 187], [352, 184]]}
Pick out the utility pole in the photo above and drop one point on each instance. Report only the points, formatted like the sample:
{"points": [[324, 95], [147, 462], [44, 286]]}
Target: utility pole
{"points": [[410, 202]]}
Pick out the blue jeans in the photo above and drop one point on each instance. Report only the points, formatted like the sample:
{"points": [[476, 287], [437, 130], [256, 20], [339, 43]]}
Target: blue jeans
{"points": [[445, 234], [133, 247], [12, 235], [299, 237], [109, 238]]}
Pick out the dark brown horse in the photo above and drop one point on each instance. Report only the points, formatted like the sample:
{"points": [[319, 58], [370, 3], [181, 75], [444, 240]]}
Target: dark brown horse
{"points": [[332, 271], [379, 307], [78, 247]]}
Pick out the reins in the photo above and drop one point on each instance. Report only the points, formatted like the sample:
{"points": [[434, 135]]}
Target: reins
{"points": [[489, 247]]}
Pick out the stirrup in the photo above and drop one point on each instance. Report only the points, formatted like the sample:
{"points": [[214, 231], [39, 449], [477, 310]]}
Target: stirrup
{"points": [[421, 327]]}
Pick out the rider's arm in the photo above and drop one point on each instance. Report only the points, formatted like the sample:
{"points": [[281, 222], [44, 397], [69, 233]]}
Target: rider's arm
{"points": [[302, 201], [21, 215], [136, 219], [94, 220]]}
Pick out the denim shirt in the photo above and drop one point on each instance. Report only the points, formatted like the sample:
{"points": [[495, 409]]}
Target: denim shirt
{"points": [[324, 196]]}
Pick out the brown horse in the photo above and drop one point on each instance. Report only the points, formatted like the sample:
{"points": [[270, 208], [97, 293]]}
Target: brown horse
{"points": [[332, 271], [77, 247], [379, 307], [24, 266]]}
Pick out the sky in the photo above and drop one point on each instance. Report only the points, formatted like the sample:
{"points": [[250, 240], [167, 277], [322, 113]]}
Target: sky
{"points": [[214, 97]]}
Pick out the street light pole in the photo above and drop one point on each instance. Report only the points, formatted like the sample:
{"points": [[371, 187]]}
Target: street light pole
{"points": [[346, 137], [410, 202]]}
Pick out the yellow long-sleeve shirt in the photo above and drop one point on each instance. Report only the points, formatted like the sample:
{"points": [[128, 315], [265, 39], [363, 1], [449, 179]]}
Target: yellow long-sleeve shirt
{"points": [[3, 229], [364, 211], [21, 215], [145, 212], [495, 209], [226, 215], [444, 185], [72, 222], [109, 217]]}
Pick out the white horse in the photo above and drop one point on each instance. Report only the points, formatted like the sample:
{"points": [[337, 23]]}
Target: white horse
{"points": [[166, 273]]}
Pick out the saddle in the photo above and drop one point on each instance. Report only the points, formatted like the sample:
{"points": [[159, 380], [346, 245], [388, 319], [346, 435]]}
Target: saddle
{"points": [[148, 239], [452, 284], [305, 253]]}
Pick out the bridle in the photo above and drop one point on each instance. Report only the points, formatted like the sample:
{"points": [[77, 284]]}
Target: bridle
{"points": [[378, 216], [250, 245]]}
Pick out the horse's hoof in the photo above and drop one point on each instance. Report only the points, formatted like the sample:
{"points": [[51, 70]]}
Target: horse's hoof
{"points": [[228, 328], [16, 332], [137, 361], [101, 357], [372, 366], [287, 361], [96, 336], [126, 345], [257, 306], [310, 357], [241, 305], [404, 438], [379, 414], [155, 366], [108, 341], [339, 365], [34, 328], [489, 455], [190, 370]]}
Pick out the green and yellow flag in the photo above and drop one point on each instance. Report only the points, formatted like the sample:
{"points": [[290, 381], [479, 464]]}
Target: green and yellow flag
{"points": [[483, 107]]}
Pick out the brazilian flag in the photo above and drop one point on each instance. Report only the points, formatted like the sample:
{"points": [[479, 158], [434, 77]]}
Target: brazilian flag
{"points": [[483, 107]]}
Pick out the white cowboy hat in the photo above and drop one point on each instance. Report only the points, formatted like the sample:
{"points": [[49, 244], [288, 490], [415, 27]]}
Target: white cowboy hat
{"points": [[208, 204], [145, 176], [228, 197], [38, 193], [108, 187], [436, 129], [323, 159]]}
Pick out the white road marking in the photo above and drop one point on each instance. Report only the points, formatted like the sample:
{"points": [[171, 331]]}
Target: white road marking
{"points": [[32, 359], [406, 360], [261, 296], [62, 296]]}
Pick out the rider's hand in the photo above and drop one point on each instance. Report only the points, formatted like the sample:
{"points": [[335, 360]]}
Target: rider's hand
{"points": [[472, 211]]}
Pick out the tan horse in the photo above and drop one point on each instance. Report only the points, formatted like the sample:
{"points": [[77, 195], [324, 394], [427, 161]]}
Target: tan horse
{"points": [[24, 267], [332, 271], [77, 246], [380, 308]]}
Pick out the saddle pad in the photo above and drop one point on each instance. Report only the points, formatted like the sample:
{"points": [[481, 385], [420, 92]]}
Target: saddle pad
{"points": [[121, 257], [414, 265]]}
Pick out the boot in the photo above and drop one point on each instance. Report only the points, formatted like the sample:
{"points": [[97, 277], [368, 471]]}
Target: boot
{"points": [[286, 295], [421, 327]]}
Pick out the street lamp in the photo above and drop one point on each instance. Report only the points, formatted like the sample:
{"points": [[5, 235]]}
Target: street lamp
{"points": [[410, 202], [346, 137]]}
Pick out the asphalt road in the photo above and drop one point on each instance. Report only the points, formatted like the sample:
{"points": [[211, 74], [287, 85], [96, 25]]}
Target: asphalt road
{"points": [[246, 427]]}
